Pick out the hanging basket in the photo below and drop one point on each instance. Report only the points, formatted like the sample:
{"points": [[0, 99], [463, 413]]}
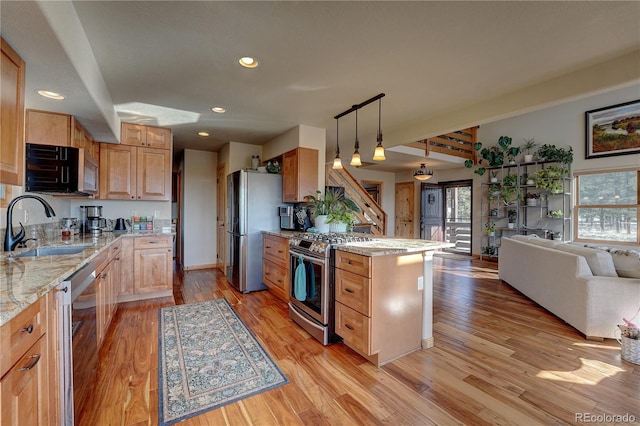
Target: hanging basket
{"points": [[630, 349]]}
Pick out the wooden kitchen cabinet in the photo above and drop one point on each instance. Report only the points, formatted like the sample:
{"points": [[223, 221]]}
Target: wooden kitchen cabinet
{"points": [[299, 175], [152, 264], [48, 128], [125, 285], [376, 329], [130, 173], [146, 136], [24, 387], [275, 265], [12, 68]]}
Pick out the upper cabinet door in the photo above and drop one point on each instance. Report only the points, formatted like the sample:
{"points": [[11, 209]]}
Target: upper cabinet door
{"points": [[154, 174], [299, 175], [133, 134], [159, 137], [117, 172], [12, 69], [48, 128]]}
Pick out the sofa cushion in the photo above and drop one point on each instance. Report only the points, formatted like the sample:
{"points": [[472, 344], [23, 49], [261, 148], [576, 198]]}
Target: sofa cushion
{"points": [[626, 262], [534, 239], [600, 262]]}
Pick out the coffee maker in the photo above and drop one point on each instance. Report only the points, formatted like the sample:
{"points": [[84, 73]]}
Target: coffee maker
{"points": [[92, 220]]}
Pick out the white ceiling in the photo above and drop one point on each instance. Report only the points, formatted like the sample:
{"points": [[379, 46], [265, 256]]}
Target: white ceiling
{"points": [[169, 62]]}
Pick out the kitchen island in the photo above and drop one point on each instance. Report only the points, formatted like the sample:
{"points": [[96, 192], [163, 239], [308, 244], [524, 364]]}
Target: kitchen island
{"points": [[384, 296]]}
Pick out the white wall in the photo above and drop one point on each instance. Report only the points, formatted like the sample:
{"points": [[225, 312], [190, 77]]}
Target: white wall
{"points": [[561, 125], [36, 214], [199, 209]]}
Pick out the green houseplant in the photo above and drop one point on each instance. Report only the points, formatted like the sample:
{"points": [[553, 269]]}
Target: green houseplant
{"points": [[492, 156], [529, 144], [550, 178], [334, 208], [490, 228], [512, 216], [552, 153]]}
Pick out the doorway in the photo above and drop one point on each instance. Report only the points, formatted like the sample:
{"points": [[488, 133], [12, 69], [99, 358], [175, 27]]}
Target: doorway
{"points": [[446, 214]]}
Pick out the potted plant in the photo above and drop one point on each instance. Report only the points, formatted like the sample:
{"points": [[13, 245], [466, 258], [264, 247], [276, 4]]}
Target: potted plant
{"points": [[494, 176], [550, 178], [552, 153], [529, 144], [512, 216], [532, 198], [490, 250], [334, 208], [490, 228], [512, 152], [509, 189], [493, 156]]}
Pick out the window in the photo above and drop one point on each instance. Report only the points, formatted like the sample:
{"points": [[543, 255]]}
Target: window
{"points": [[607, 206]]}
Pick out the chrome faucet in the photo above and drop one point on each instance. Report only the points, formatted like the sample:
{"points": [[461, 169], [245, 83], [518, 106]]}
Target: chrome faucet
{"points": [[10, 240]]}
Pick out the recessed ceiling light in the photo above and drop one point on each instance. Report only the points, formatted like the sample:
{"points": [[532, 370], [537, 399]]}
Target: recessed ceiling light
{"points": [[50, 95], [248, 62], [203, 134], [218, 109]]}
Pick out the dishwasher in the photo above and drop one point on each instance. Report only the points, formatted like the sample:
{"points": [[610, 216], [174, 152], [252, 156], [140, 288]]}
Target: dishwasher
{"points": [[68, 291]]}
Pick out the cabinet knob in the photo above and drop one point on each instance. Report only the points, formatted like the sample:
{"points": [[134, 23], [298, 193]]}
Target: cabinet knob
{"points": [[28, 329]]}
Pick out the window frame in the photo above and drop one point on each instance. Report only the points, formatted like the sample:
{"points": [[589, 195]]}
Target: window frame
{"points": [[577, 206]]}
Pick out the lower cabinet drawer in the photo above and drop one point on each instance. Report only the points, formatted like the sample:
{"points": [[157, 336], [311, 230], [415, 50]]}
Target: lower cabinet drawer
{"points": [[353, 327], [19, 334], [156, 241], [276, 249], [276, 278], [353, 290]]}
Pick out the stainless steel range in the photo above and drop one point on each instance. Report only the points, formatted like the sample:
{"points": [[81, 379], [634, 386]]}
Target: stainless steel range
{"points": [[312, 298]]}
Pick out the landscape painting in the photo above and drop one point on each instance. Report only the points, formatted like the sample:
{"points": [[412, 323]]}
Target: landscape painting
{"points": [[613, 130]]}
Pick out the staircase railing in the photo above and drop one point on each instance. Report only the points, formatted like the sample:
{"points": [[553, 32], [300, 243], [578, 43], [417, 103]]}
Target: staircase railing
{"points": [[371, 217]]}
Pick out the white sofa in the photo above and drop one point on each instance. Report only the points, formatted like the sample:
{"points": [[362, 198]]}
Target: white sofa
{"points": [[579, 284]]}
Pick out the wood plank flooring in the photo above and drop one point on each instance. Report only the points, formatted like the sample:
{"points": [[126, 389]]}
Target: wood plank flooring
{"points": [[498, 359]]}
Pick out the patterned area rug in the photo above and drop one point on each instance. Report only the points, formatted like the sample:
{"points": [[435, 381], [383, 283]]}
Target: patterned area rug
{"points": [[208, 358]]}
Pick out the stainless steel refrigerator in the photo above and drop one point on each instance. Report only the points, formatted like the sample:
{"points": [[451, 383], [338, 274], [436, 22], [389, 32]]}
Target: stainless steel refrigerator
{"points": [[253, 199]]}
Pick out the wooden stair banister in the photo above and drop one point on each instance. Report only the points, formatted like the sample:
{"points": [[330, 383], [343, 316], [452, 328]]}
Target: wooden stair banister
{"points": [[370, 211]]}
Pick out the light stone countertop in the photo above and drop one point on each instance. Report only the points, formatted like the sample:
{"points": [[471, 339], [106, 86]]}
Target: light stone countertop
{"points": [[23, 280], [379, 246]]}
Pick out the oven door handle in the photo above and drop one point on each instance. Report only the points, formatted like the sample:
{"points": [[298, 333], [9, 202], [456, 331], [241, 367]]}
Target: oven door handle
{"points": [[296, 255]]}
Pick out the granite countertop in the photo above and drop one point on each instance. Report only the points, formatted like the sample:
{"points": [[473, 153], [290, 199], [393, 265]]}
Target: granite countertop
{"points": [[379, 245], [23, 280]]}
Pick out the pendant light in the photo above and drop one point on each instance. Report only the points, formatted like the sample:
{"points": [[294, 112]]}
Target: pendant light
{"points": [[337, 162], [423, 173], [355, 159], [378, 154]]}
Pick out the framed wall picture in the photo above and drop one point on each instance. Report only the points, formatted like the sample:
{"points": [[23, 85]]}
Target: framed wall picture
{"points": [[613, 130]]}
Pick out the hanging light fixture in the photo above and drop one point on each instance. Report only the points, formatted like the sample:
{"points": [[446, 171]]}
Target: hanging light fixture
{"points": [[337, 162], [378, 154], [355, 159], [423, 173]]}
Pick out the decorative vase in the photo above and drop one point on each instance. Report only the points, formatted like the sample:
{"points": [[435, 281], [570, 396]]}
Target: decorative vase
{"points": [[511, 225], [255, 162], [493, 179], [528, 158], [338, 227], [321, 223]]}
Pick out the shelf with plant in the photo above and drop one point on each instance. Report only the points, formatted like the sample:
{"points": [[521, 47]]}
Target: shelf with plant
{"points": [[492, 156], [551, 179]]}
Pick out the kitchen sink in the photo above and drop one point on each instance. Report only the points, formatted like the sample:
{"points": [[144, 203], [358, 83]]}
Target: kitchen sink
{"points": [[52, 251]]}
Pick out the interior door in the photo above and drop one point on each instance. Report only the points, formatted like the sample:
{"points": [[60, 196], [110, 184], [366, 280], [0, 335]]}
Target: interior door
{"points": [[404, 210]]}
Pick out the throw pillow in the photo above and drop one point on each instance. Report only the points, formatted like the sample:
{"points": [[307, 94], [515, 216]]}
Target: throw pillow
{"points": [[626, 262], [600, 262]]}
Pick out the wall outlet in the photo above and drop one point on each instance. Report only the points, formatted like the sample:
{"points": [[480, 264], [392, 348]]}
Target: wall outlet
{"points": [[420, 283]]}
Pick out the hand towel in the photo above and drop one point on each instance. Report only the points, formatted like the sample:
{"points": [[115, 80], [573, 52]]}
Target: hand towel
{"points": [[300, 281]]}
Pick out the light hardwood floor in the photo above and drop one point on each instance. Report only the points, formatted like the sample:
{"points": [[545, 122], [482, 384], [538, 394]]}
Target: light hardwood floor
{"points": [[498, 359]]}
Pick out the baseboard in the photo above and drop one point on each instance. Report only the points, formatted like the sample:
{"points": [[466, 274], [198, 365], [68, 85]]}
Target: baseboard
{"points": [[195, 267], [427, 343]]}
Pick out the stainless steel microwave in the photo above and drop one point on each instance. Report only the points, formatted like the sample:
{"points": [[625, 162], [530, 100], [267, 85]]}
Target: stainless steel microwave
{"points": [[60, 170]]}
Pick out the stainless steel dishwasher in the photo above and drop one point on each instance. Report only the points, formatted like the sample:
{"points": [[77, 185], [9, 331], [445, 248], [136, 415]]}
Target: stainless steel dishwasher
{"points": [[67, 292]]}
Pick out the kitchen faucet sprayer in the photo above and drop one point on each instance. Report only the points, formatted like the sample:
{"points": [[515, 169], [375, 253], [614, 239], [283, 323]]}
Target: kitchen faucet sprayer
{"points": [[11, 240]]}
